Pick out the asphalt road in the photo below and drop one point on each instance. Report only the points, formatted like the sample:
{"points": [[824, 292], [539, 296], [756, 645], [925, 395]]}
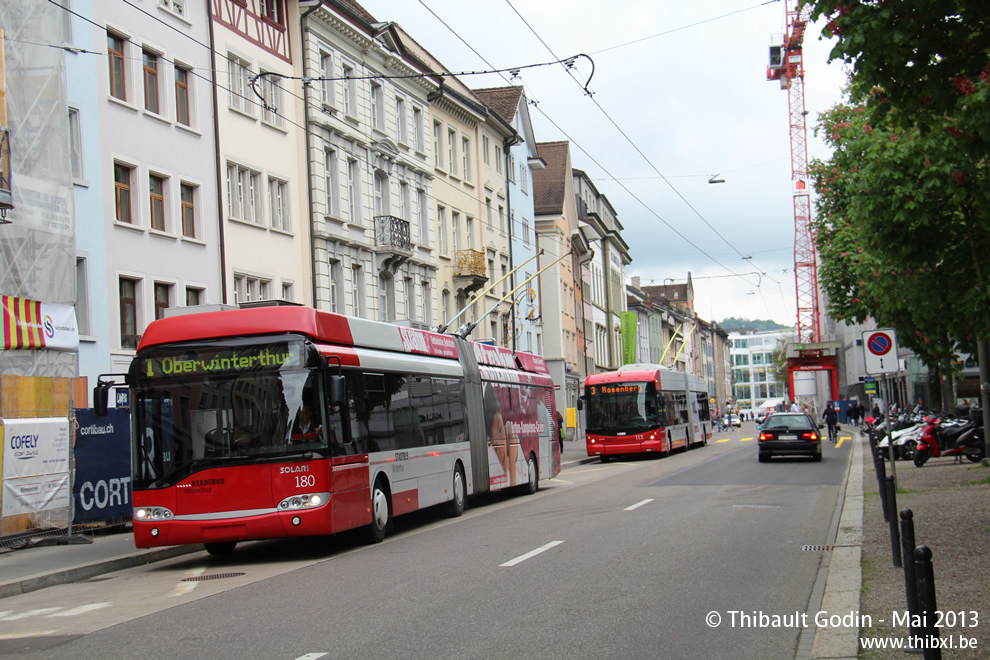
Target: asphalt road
{"points": [[618, 560]]}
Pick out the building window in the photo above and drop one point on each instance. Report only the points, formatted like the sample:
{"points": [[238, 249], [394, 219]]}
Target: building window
{"points": [[128, 313], [386, 297], [272, 10], [122, 193], [287, 291], [357, 290], [182, 96], [243, 191], [445, 306], [489, 216], [278, 200], [437, 153], [150, 82], [188, 199], [419, 128], [405, 201], [525, 232], [424, 217], [336, 286], [75, 144], [442, 229], [193, 296], [381, 194], [82, 297], [350, 90], [248, 288], [377, 107], [331, 200], [239, 84], [452, 151], [524, 177], [401, 129], [485, 146], [455, 230], [156, 186], [466, 158], [118, 74], [326, 75], [163, 296], [498, 159], [271, 91], [353, 188], [427, 303]]}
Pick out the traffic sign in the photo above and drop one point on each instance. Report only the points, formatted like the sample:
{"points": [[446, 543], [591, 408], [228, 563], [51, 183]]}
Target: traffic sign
{"points": [[880, 349]]}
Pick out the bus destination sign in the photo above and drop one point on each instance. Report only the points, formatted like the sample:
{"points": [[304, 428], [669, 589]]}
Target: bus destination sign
{"points": [[600, 390], [232, 360]]}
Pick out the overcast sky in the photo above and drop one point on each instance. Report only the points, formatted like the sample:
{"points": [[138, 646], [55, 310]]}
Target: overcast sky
{"points": [[682, 83]]}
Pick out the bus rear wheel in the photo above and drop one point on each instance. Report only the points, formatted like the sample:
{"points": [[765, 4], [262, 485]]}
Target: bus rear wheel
{"points": [[532, 477], [381, 512], [456, 506], [220, 548]]}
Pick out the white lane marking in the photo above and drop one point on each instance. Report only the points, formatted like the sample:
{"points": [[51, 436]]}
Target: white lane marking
{"points": [[638, 504], [29, 613], [311, 656], [531, 553], [82, 609], [184, 588], [40, 633]]}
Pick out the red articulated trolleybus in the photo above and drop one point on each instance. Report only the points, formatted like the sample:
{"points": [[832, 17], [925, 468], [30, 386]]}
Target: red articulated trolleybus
{"points": [[287, 421], [644, 408]]}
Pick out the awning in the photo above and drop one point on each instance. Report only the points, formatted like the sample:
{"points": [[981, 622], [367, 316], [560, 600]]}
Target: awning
{"points": [[770, 404]]}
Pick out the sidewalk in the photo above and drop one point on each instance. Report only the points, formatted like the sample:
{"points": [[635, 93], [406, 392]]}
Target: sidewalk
{"points": [[41, 565]]}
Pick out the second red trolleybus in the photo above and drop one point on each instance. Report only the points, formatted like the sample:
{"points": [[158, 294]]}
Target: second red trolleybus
{"points": [[644, 408], [287, 421]]}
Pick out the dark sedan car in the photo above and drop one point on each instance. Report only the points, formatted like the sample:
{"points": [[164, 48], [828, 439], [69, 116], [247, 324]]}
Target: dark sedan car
{"points": [[789, 434]]}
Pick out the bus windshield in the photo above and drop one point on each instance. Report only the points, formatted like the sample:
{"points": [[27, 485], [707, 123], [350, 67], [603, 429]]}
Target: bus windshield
{"points": [[216, 406], [622, 408]]}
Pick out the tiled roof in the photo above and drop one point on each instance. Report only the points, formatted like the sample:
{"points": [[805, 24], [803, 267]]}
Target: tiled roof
{"points": [[503, 100], [357, 10], [548, 183]]}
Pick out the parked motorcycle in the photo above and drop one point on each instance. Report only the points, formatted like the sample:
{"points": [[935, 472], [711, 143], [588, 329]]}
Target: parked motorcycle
{"points": [[939, 439]]}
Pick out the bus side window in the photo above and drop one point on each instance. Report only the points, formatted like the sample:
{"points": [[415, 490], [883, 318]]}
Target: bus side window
{"points": [[661, 409]]}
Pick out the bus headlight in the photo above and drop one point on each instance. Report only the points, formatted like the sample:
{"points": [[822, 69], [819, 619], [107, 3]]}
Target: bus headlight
{"points": [[151, 513], [307, 501]]}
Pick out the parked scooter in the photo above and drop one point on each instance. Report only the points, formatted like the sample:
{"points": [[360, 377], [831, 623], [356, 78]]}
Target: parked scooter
{"points": [[941, 440]]}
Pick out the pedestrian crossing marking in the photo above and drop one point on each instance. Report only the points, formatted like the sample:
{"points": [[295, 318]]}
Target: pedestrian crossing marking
{"points": [[722, 440], [745, 439], [52, 612], [82, 609], [30, 613]]}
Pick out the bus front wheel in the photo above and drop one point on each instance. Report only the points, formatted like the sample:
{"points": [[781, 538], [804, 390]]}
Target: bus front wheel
{"points": [[220, 548], [381, 512]]}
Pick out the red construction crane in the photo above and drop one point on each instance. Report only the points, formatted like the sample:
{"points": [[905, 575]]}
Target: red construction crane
{"points": [[787, 66]]}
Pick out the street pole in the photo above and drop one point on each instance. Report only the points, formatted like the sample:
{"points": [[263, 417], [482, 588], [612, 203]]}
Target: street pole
{"points": [[983, 354], [890, 439]]}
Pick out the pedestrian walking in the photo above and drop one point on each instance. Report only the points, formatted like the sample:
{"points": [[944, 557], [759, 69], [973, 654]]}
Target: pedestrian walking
{"points": [[561, 430]]}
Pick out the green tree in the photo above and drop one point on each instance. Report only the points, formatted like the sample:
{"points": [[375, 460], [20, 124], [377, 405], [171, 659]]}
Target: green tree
{"points": [[902, 208], [901, 226]]}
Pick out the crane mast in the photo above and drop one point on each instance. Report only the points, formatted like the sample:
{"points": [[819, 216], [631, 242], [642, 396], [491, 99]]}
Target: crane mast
{"points": [[787, 66]]}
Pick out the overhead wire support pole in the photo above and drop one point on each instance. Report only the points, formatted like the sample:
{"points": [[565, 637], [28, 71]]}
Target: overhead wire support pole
{"points": [[468, 328], [442, 328]]}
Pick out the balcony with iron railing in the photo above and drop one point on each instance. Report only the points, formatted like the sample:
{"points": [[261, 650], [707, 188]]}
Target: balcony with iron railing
{"points": [[469, 270], [392, 240]]}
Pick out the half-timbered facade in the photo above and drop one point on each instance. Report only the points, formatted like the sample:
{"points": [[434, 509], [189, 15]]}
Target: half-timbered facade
{"points": [[266, 244]]}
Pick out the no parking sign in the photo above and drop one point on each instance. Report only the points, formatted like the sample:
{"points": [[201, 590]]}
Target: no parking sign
{"points": [[880, 348]]}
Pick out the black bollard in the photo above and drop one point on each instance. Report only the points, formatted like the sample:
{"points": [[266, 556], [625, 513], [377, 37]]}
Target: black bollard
{"points": [[910, 583], [927, 607], [882, 483], [895, 535]]}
